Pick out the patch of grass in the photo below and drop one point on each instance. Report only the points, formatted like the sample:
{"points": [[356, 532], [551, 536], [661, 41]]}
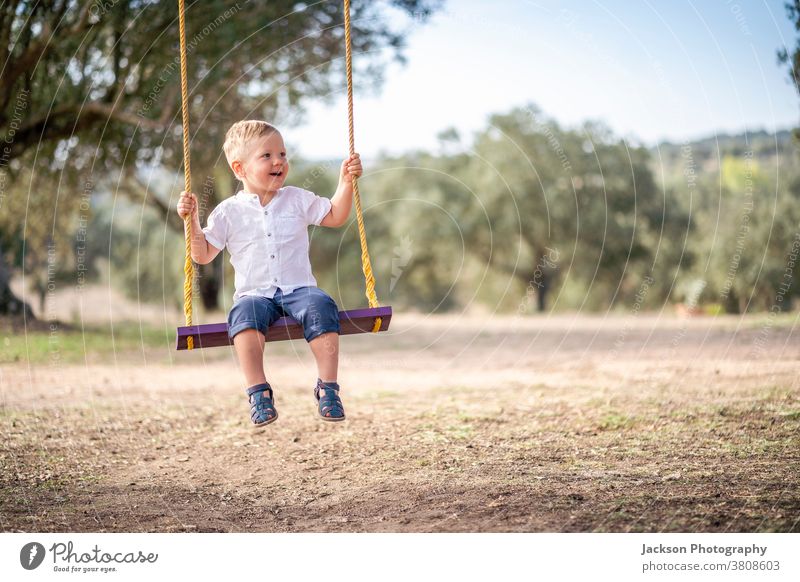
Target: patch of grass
{"points": [[54, 483], [68, 344], [485, 417], [616, 421], [606, 401], [775, 392], [762, 447], [385, 394], [440, 433], [89, 479], [460, 431], [431, 436]]}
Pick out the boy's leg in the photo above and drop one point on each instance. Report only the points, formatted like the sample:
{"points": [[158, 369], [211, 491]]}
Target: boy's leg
{"points": [[326, 351], [249, 345], [248, 321], [319, 316]]}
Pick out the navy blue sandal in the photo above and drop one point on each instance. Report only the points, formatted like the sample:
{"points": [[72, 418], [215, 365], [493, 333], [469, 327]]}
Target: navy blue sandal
{"points": [[330, 405], [262, 407]]}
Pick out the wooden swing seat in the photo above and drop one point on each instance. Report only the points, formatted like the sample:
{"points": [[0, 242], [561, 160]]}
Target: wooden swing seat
{"points": [[213, 335]]}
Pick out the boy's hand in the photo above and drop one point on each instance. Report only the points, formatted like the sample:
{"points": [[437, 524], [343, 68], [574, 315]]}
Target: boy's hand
{"points": [[187, 205], [351, 167]]}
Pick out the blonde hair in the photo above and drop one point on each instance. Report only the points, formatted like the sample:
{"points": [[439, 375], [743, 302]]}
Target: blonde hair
{"points": [[241, 134]]}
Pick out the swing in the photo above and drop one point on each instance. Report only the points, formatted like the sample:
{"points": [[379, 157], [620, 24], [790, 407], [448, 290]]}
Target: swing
{"points": [[375, 318]]}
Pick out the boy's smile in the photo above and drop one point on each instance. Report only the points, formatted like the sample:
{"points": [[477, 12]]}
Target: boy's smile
{"points": [[266, 166]]}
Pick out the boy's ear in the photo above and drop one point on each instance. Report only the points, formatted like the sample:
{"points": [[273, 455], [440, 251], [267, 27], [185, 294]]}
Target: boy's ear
{"points": [[237, 168]]}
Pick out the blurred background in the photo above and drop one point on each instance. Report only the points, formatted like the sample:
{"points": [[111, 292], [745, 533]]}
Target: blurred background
{"points": [[521, 157]]}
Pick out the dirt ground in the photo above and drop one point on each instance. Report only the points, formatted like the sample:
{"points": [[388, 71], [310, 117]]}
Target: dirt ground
{"points": [[564, 423]]}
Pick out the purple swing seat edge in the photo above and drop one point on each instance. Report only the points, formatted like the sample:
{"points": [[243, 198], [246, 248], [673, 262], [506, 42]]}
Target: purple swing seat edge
{"points": [[210, 335]]}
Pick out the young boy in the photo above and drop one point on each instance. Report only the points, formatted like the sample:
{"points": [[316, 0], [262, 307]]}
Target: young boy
{"points": [[265, 228]]}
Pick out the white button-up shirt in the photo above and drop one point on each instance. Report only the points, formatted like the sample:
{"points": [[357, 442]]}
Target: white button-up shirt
{"points": [[268, 244]]}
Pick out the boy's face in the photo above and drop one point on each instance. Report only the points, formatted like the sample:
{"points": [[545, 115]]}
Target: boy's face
{"points": [[265, 166]]}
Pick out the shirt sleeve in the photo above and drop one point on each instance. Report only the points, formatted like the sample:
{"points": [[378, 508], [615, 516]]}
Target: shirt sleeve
{"points": [[315, 208], [216, 230]]}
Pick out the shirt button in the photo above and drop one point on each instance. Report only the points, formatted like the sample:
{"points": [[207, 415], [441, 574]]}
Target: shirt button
{"points": [[266, 212], [269, 234], [275, 280], [272, 256]]}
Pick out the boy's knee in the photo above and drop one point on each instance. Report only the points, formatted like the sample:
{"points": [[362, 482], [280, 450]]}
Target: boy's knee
{"points": [[247, 334], [322, 315], [319, 296], [250, 313], [320, 303]]}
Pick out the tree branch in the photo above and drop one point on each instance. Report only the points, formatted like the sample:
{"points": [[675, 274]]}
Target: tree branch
{"points": [[83, 19], [132, 187], [37, 50], [6, 24], [117, 114], [69, 120]]}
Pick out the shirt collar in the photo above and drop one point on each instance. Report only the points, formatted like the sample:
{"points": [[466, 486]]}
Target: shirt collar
{"points": [[252, 197], [245, 195]]}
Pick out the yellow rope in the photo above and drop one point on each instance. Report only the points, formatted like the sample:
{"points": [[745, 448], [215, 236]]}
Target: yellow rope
{"points": [[188, 267], [366, 265]]}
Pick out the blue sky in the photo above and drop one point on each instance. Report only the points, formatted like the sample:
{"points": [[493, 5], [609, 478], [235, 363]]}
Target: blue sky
{"points": [[651, 70]]}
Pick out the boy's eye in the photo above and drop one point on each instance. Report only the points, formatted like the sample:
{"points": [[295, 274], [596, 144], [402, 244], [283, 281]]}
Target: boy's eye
{"points": [[266, 155], [283, 154]]}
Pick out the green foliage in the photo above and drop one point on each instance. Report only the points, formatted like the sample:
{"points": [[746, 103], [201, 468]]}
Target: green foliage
{"points": [[792, 59], [414, 268], [420, 247], [530, 203], [743, 199], [145, 256], [556, 206], [38, 230]]}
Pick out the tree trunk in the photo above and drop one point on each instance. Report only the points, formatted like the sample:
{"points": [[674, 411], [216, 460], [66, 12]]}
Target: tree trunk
{"points": [[10, 304], [543, 275], [732, 302], [210, 282], [541, 295], [210, 279]]}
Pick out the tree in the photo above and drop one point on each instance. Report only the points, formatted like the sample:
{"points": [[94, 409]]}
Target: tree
{"points": [[419, 252], [784, 56], [554, 203], [746, 234], [92, 88]]}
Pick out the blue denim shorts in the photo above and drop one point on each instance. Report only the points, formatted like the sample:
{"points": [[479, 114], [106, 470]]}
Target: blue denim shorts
{"points": [[314, 309]]}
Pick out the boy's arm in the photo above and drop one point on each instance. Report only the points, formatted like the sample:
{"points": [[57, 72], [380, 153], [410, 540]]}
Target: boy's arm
{"points": [[342, 200], [341, 203], [202, 251]]}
